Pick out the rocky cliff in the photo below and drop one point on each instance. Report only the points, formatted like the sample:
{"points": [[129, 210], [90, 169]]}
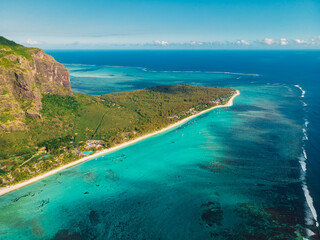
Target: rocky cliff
{"points": [[26, 74]]}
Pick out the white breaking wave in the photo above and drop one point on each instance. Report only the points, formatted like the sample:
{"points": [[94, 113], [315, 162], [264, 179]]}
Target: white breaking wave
{"points": [[303, 92], [144, 69], [309, 233], [79, 64], [305, 135], [310, 203], [303, 164], [304, 153], [309, 200], [311, 216], [196, 71]]}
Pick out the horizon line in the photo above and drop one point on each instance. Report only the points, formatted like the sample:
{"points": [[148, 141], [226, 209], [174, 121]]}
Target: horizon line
{"points": [[182, 49]]}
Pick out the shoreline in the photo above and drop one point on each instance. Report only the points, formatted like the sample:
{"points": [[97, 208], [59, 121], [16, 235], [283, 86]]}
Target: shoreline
{"points": [[11, 188]]}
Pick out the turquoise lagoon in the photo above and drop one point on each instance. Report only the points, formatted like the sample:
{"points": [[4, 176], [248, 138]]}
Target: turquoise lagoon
{"points": [[232, 173]]}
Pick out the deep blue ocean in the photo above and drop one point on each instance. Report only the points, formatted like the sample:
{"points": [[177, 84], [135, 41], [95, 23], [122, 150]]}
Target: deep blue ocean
{"points": [[250, 171]]}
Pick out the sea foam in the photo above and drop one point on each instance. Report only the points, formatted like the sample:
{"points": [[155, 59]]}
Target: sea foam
{"points": [[311, 216], [303, 92], [310, 203], [303, 165], [305, 135], [197, 71], [304, 153]]}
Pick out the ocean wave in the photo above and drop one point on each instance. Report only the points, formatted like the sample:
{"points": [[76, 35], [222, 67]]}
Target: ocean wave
{"points": [[309, 233], [303, 92], [310, 204], [122, 66], [305, 135], [144, 69], [311, 217], [197, 71], [303, 164], [304, 153], [78, 64]]}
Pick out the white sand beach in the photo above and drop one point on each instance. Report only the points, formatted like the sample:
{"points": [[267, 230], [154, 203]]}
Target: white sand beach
{"points": [[11, 188]]}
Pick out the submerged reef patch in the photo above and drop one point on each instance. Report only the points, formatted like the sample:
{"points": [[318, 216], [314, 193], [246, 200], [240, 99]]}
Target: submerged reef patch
{"points": [[212, 213]]}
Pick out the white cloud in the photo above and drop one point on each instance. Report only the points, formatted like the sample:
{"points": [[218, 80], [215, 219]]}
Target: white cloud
{"points": [[268, 41], [313, 41], [242, 42], [161, 43], [283, 42], [32, 42], [196, 43], [301, 41]]}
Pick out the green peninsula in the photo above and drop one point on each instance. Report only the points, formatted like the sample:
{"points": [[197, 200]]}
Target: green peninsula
{"points": [[43, 125]]}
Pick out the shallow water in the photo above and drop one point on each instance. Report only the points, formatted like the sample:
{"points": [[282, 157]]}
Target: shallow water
{"points": [[232, 173]]}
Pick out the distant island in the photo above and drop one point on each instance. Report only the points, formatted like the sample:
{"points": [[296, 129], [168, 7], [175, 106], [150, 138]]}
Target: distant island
{"points": [[45, 127]]}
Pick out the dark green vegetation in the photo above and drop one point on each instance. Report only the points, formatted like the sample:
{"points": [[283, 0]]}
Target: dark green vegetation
{"points": [[26, 74], [67, 123]]}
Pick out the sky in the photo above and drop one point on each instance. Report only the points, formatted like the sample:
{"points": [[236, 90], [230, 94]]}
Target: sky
{"points": [[162, 24]]}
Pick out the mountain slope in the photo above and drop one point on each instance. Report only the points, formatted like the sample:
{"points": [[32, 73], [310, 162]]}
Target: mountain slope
{"points": [[26, 74]]}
